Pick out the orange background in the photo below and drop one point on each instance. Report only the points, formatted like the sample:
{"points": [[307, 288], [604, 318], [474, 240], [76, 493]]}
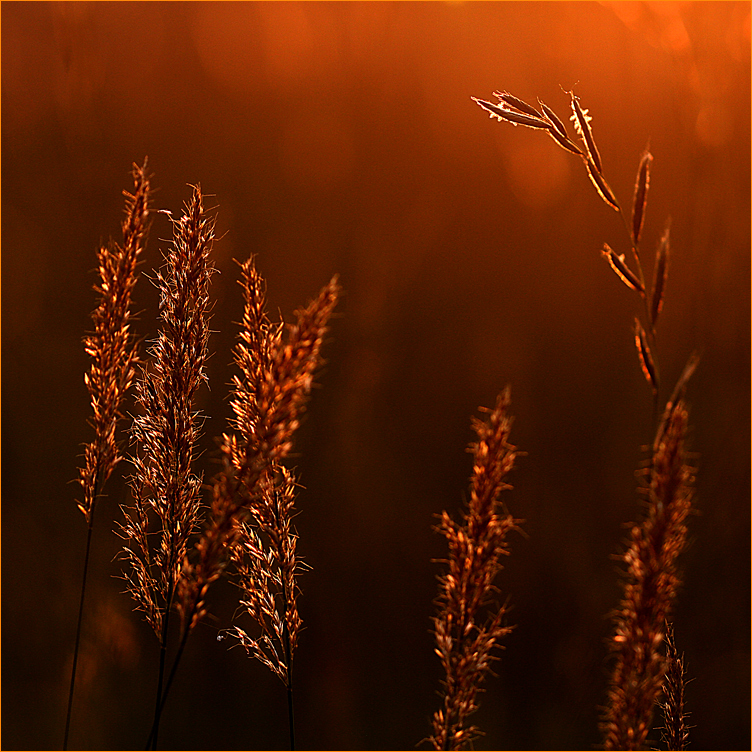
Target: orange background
{"points": [[341, 137]]}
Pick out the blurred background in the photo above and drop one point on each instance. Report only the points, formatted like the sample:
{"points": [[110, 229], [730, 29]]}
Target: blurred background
{"points": [[341, 138]]}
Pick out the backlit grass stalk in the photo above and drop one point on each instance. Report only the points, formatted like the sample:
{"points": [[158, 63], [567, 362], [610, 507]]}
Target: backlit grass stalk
{"points": [[267, 569], [651, 579], [650, 585], [469, 623], [253, 494], [166, 490], [114, 356], [517, 112]]}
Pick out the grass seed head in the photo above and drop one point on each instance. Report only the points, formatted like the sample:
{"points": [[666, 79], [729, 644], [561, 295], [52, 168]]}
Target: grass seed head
{"points": [[642, 183]]}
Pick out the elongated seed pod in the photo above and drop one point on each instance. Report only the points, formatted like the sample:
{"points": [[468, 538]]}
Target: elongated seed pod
{"points": [[619, 265], [604, 191], [660, 274], [505, 96], [581, 121], [646, 357], [554, 118], [516, 118], [564, 142], [641, 196]]}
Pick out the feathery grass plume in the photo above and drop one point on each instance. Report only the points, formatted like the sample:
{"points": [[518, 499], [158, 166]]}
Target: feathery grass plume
{"points": [[269, 396], [267, 566], [675, 733], [114, 357], [651, 582], [111, 346], [469, 621], [166, 490]]}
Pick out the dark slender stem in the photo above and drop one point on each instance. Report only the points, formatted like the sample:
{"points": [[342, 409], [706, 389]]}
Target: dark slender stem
{"points": [[78, 627], [151, 741], [290, 713], [162, 660], [288, 661]]}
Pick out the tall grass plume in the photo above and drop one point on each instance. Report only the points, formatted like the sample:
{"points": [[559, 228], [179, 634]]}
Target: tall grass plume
{"points": [[470, 622], [114, 355]]}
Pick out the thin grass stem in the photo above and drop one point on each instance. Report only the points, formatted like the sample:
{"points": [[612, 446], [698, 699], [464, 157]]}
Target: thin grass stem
{"points": [[90, 528]]}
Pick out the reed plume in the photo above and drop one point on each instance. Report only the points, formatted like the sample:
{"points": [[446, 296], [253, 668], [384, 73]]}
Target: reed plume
{"points": [[166, 490], [114, 356], [469, 623]]}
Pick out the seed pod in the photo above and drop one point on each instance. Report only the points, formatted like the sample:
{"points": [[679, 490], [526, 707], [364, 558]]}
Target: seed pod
{"points": [[581, 121], [516, 118], [564, 142], [549, 114], [660, 273], [602, 186], [619, 265], [505, 96], [641, 196], [646, 358]]}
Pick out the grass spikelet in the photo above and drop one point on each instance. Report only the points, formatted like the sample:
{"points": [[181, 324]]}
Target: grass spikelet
{"points": [[675, 733], [651, 581], [618, 263], [581, 121], [469, 622], [505, 96], [558, 130], [640, 198], [660, 274], [516, 118], [603, 188], [555, 120], [646, 357]]}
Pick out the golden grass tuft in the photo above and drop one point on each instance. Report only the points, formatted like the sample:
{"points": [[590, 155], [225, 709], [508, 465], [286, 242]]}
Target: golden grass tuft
{"points": [[469, 623]]}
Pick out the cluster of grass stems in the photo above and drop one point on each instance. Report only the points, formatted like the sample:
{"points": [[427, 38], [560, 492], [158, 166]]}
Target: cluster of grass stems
{"points": [[175, 547]]}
